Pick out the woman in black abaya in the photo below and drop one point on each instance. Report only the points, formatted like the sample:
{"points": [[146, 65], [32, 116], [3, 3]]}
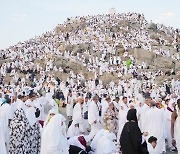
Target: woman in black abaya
{"points": [[131, 137]]}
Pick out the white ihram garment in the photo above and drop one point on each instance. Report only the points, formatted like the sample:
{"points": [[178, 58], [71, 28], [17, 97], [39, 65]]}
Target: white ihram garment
{"points": [[153, 124], [77, 117], [93, 115]]}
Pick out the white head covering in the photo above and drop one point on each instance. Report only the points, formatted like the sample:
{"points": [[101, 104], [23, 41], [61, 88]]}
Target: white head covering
{"points": [[111, 136], [75, 141], [54, 139], [72, 130], [99, 134], [105, 144], [132, 104], [52, 111]]}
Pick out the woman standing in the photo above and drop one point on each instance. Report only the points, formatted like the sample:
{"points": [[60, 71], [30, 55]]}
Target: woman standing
{"points": [[19, 136], [131, 137], [110, 119], [24, 138]]}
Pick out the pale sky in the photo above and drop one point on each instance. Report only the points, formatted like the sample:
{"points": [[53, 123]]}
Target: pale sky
{"points": [[24, 19]]}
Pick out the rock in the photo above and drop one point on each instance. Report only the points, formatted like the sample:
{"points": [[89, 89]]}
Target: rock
{"points": [[69, 47], [144, 55], [177, 65], [108, 77], [74, 65], [152, 26], [128, 76], [61, 62], [61, 75], [163, 62], [119, 49], [154, 36]]}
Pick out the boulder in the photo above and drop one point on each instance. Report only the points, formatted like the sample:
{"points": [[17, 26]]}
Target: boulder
{"points": [[108, 77], [61, 62], [74, 65], [163, 62], [152, 26], [144, 55], [177, 65], [69, 47]]}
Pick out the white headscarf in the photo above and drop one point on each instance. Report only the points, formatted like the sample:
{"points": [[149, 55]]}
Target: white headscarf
{"points": [[75, 141], [105, 144], [52, 111], [99, 134], [72, 130], [54, 138]]}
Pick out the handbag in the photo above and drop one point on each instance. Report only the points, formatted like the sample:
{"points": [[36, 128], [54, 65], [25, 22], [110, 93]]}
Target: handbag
{"points": [[86, 115]]}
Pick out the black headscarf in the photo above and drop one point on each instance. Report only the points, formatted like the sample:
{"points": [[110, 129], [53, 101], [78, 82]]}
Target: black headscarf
{"points": [[131, 115]]}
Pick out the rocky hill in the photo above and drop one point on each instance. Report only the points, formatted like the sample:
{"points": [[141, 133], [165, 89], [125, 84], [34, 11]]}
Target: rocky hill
{"points": [[80, 40]]}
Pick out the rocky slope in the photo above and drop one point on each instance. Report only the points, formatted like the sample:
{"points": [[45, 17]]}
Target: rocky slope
{"points": [[82, 34]]}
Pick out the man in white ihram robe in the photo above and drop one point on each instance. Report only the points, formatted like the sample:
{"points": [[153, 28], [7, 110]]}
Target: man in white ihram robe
{"points": [[105, 105], [144, 109], [77, 115], [121, 119], [69, 107], [93, 116], [152, 126]]}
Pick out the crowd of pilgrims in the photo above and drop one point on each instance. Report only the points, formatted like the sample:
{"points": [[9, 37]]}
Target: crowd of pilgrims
{"points": [[98, 120], [103, 33], [40, 113]]}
